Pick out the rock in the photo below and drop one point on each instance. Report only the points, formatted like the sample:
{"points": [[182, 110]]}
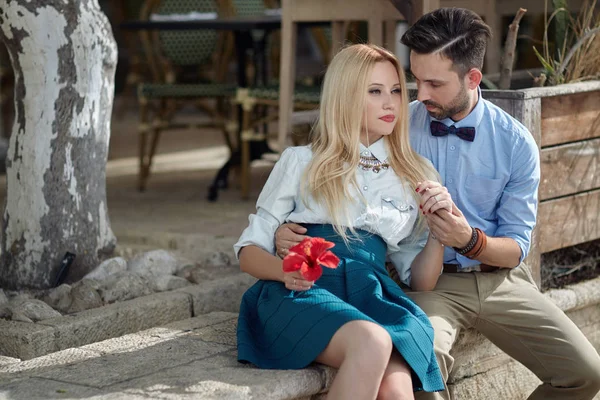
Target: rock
{"points": [[107, 268], [186, 273], [155, 262], [21, 317], [59, 298], [217, 259], [124, 286], [162, 283], [5, 311], [3, 298], [84, 296], [32, 309]]}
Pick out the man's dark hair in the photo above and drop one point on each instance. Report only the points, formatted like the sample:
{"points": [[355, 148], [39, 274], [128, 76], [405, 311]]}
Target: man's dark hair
{"points": [[457, 33]]}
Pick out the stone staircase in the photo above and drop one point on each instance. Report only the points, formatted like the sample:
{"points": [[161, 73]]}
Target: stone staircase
{"points": [[196, 358]]}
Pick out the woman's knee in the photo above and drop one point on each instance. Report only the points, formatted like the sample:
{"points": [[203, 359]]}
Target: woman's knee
{"points": [[397, 380], [368, 338], [363, 340], [395, 389]]}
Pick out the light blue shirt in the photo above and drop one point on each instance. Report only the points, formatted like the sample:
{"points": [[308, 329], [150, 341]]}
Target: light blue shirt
{"points": [[387, 209], [493, 180]]}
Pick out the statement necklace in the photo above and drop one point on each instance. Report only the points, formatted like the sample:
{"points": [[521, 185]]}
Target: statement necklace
{"points": [[372, 163]]}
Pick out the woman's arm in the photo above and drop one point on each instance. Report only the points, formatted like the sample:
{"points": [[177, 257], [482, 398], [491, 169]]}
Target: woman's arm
{"points": [[427, 266], [260, 264], [263, 265]]}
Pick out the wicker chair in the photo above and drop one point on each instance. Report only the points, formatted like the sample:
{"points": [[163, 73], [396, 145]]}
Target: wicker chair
{"points": [[172, 55]]}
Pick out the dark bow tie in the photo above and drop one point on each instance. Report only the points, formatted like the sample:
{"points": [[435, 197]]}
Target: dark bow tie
{"points": [[439, 129]]}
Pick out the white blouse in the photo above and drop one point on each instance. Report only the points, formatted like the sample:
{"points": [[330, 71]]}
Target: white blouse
{"points": [[390, 211]]}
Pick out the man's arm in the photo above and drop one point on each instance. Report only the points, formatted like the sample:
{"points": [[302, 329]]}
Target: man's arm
{"points": [[452, 229]]}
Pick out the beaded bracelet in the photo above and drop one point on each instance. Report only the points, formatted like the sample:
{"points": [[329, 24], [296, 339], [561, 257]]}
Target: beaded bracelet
{"points": [[479, 247], [462, 251]]}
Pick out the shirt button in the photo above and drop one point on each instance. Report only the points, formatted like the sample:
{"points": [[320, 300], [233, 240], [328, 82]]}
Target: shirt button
{"points": [[365, 187], [365, 153], [452, 148], [450, 180]]}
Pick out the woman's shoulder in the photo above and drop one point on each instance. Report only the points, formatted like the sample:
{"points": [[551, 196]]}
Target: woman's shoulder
{"points": [[302, 154]]}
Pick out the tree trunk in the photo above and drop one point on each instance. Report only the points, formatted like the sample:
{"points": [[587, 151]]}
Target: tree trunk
{"points": [[64, 57]]}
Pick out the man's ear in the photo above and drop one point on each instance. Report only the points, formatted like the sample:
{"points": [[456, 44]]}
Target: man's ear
{"points": [[474, 77]]}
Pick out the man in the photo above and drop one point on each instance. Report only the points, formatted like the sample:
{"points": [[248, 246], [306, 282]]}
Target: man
{"points": [[489, 163]]}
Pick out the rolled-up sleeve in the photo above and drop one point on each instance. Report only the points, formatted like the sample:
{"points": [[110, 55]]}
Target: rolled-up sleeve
{"points": [[518, 204], [275, 203], [409, 248]]}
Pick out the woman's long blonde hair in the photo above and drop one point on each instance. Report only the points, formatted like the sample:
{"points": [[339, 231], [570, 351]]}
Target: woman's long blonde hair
{"points": [[336, 135]]}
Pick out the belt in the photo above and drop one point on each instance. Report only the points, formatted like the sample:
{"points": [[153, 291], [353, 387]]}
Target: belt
{"points": [[453, 268]]}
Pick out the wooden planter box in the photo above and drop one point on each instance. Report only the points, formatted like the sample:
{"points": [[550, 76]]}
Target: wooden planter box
{"points": [[565, 122]]}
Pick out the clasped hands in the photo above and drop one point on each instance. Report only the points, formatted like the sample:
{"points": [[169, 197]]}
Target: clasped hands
{"points": [[446, 222]]}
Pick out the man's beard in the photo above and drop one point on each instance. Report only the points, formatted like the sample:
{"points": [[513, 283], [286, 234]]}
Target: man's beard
{"points": [[459, 104]]}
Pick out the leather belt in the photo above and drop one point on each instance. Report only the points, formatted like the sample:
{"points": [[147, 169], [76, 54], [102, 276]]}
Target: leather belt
{"points": [[453, 268]]}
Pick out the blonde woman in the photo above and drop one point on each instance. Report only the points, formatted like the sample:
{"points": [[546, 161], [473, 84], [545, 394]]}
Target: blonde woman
{"points": [[356, 185]]}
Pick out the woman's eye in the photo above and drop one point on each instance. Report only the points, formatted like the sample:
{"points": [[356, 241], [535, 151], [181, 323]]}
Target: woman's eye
{"points": [[396, 91], [375, 91]]}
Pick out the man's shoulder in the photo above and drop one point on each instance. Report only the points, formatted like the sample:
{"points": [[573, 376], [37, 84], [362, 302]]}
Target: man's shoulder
{"points": [[506, 122]]}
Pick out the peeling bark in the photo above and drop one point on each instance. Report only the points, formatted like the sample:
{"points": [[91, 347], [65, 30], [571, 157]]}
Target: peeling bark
{"points": [[64, 57]]}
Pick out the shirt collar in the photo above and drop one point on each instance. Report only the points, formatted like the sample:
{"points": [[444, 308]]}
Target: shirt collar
{"points": [[376, 149], [471, 120]]}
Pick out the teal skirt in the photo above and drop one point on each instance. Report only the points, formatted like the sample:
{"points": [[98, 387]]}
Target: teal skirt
{"points": [[283, 329]]}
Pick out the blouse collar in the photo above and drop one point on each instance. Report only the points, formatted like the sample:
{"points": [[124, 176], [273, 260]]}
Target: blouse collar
{"points": [[377, 149]]}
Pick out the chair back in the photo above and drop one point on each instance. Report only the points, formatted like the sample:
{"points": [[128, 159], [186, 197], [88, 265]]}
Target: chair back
{"points": [[248, 8]]}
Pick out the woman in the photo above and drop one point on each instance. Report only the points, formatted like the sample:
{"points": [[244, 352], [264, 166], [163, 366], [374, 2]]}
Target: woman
{"points": [[355, 185]]}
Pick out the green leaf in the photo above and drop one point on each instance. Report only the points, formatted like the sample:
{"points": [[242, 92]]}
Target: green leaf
{"points": [[545, 64]]}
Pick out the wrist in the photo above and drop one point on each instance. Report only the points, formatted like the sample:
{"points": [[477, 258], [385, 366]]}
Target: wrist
{"points": [[475, 246], [466, 237], [469, 244]]}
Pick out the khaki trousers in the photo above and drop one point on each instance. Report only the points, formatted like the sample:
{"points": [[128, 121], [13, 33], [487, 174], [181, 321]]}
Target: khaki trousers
{"points": [[507, 308]]}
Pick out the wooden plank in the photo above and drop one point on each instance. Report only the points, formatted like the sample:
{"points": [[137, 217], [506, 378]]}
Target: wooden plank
{"points": [[569, 221], [287, 71], [570, 168], [569, 118], [343, 10]]}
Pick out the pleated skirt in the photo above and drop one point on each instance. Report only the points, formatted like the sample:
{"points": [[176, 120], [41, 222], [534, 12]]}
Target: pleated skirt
{"points": [[283, 329]]}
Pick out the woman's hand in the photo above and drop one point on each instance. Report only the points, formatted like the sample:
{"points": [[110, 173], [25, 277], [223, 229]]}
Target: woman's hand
{"points": [[295, 281], [434, 197]]}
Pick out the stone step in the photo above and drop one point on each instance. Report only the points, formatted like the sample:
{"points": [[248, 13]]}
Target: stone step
{"points": [[196, 358], [30, 340]]}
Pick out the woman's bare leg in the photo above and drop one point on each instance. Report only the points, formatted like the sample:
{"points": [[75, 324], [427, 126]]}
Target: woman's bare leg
{"points": [[361, 351], [397, 382]]}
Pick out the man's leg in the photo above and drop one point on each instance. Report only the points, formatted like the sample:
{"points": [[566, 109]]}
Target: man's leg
{"points": [[452, 306], [530, 328]]}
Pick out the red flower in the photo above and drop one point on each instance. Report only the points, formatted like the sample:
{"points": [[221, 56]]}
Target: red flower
{"points": [[308, 256]]}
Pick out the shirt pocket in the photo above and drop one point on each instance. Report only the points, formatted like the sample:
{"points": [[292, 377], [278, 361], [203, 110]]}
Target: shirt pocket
{"points": [[484, 194], [395, 218]]}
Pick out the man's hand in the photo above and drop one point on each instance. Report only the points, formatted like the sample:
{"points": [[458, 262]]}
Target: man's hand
{"points": [[286, 236], [451, 229]]}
